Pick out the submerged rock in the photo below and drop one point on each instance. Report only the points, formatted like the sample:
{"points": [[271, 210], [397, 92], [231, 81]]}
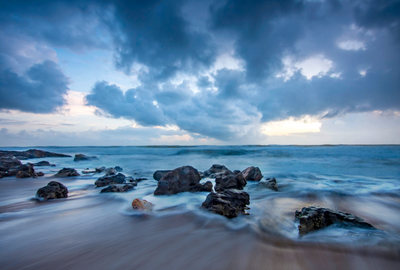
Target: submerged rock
{"points": [[216, 170], [252, 174], [82, 157], [118, 188], [118, 169], [100, 169], [88, 171], [110, 179], [270, 183], [159, 174], [182, 179], [313, 217], [43, 163], [40, 174], [229, 203], [142, 205], [67, 172], [110, 171], [31, 153], [229, 180], [53, 190]]}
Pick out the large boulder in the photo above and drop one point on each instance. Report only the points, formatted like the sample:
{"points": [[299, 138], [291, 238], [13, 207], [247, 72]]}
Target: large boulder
{"points": [[159, 174], [110, 179], [142, 205], [229, 203], [252, 174], [67, 172], [118, 188], [313, 217], [182, 179], [229, 180], [270, 183], [216, 170], [31, 153], [53, 190], [82, 157]]}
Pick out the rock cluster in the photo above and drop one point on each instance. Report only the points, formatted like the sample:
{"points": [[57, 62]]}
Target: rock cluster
{"points": [[313, 217], [67, 172], [53, 190], [229, 203], [182, 179]]}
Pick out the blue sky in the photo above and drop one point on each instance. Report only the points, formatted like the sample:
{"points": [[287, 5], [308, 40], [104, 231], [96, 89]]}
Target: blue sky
{"points": [[102, 72]]}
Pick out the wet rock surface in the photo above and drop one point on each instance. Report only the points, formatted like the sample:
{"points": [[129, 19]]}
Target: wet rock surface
{"points": [[142, 205], [110, 179], [67, 172], [229, 203], [229, 180], [31, 153], [118, 188], [23, 171], [159, 174], [216, 170], [7, 163], [53, 190], [270, 183], [43, 163], [313, 217], [82, 157], [252, 174], [181, 179]]}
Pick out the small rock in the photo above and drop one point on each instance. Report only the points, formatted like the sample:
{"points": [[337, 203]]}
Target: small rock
{"points": [[110, 171], [40, 174], [43, 163], [118, 188], [88, 171], [229, 203], [100, 169], [110, 179], [140, 179], [159, 174], [82, 157], [23, 174], [142, 205], [229, 180], [215, 170], [53, 190], [118, 169], [252, 174], [270, 183], [67, 172]]}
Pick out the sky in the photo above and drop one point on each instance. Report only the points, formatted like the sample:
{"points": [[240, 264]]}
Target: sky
{"points": [[199, 72]]}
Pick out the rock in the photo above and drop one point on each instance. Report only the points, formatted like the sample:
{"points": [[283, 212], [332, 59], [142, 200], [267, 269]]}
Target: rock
{"points": [[130, 179], [159, 174], [53, 190], [118, 188], [82, 157], [23, 174], [313, 217], [23, 171], [252, 174], [142, 205], [140, 179], [43, 163], [100, 169], [182, 179], [118, 169], [31, 153], [110, 171], [215, 170], [270, 183], [40, 174], [87, 171], [229, 203], [7, 163], [110, 179], [67, 172], [229, 180]]}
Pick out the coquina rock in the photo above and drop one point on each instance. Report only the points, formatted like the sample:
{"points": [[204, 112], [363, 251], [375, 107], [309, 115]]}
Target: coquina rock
{"points": [[159, 174], [67, 172], [182, 179], [252, 174], [118, 188], [53, 190], [313, 217], [229, 203], [142, 205], [216, 170], [82, 157], [229, 180], [110, 179]]}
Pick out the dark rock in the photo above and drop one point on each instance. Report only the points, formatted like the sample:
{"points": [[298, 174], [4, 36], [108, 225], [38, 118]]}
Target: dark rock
{"points": [[159, 174], [252, 174], [40, 174], [118, 169], [118, 188], [140, 179], [23, 171], [100, 169], [313, 217], [88, 171], [142, 205], [53, 190], [216, 170], [229, 180], [43, 163], [229, 203], [82, 157], [31, 153], [110, 179], [110, 171], [182, 179], [67, 172], [23, 174], [236, 171], [7, 163], [270, 183]]}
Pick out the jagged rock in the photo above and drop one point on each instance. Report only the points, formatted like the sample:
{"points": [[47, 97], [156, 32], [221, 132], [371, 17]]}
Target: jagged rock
{"points": [[118, 169], [216, 170], [31, 153], [82, 157], [118, 188], [43, 163], [159, 174], [100, 169], [182, 179], [53, 190], [313, 217], [252, 174], [270, 183], [110, 171], [110, 179], [142, 205], [229, 180], [229, 203], [67, 172]]}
